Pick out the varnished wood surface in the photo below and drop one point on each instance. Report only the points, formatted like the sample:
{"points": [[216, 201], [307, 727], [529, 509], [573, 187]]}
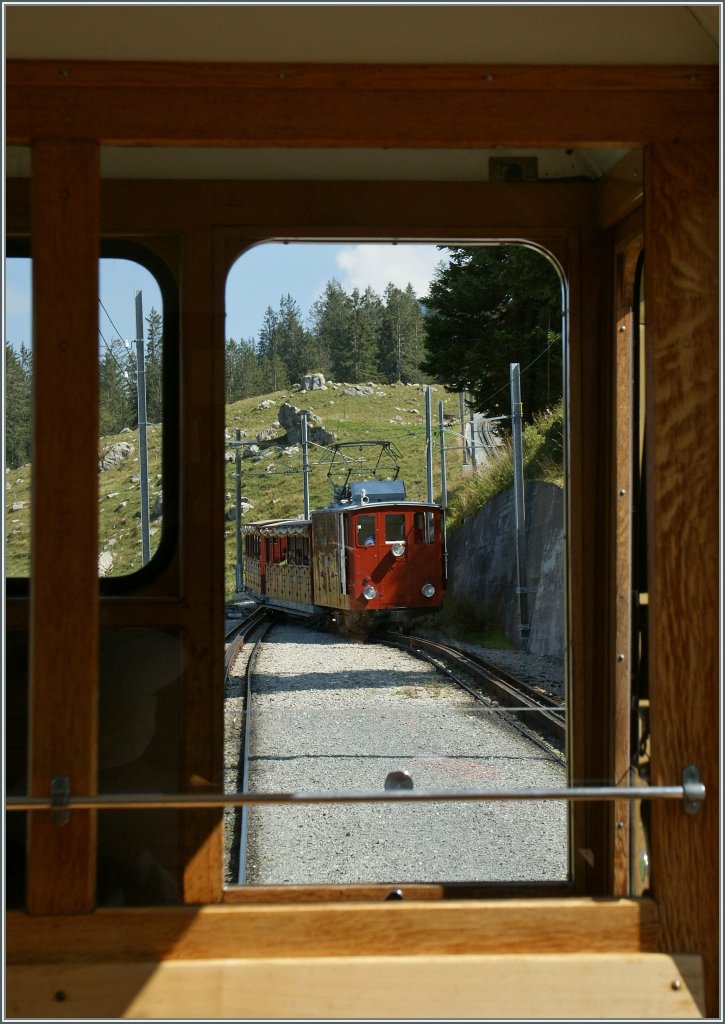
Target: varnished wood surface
{"points": [[64, 521], [351, 929], [625, 437], [683, 353], [621, 190], [493, 987], [681, 184], [202, 503], [589, 716], [338, 105], [285, 76], [430, 211]]}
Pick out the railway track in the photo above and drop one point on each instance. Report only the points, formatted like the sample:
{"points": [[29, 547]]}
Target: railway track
{"points": [[492, 687], [301, 758], [236, 635], [252, 625]]}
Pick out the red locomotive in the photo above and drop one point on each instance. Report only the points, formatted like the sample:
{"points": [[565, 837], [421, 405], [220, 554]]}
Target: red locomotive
{"points": [[371, 556]]}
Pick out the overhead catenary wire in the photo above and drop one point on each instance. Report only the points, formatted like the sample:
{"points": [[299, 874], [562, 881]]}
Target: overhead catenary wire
{"points": [[110, 351], [505, 387], [118, 333]]}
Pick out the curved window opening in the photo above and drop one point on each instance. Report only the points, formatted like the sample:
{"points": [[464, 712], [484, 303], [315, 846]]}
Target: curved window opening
{"points": [[137, 356], [455, 353]]}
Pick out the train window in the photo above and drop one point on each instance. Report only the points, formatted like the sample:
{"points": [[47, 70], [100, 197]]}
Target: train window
{"points": [[136, 497], [423, 527], [365, 531], [394, 528], [18, 414]]}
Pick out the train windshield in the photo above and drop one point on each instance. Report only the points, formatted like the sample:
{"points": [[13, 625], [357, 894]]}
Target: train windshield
{"points": [[394, 528], [365, 531]]}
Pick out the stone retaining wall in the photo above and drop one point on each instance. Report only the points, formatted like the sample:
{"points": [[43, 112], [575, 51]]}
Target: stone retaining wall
{"points": [[482, 565]]}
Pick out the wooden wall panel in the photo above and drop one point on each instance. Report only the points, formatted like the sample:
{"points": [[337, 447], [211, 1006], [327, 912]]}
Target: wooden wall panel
{"points": [[202, 281], [64, 527], [624, 439], [430, 210], [620, 985], [408, 107], [588, 553], [358, 105], [566, 925], [683, 354]]}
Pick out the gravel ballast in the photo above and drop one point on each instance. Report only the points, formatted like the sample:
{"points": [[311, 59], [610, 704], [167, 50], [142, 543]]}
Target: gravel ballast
{"points": [[332, 714]]}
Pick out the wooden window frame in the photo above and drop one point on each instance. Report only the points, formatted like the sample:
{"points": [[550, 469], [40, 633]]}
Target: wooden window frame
{"points": [[67, 110]]}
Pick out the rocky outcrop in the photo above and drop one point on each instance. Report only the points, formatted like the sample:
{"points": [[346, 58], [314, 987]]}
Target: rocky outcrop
{"points": [[115, 454], [313, 382], [290, 420]]}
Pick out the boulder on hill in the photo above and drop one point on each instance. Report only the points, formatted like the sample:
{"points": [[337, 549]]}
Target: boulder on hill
{"points": [[313, 382], [290, 418], [115, 454]]}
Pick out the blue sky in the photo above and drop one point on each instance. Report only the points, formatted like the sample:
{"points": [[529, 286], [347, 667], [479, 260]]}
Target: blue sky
{"points": [[261, 276], [258, 279]]}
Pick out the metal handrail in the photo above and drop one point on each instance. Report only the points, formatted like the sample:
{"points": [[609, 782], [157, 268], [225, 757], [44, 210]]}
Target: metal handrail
{"points": [[691, 791]]}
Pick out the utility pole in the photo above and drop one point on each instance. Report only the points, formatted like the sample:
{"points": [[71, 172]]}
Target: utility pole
{"points": [[444, 489], [442, 440], [142, 448], [305, 466], [463, 427], [428, 449], [519, 505], [474, 460], [238, 503]]}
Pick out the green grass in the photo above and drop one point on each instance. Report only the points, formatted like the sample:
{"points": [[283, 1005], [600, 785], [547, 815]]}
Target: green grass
{"points": [[543, 450], [274, 486], [275, 495], [119, 504]]}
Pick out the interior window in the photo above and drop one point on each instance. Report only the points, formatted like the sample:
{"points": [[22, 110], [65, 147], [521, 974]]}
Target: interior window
{"points": [[131, 330], [460, 366]]}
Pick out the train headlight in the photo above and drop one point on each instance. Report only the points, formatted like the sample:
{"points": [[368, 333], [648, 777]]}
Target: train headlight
{"points": [[428, 590], [369, 592], [398, 549]]}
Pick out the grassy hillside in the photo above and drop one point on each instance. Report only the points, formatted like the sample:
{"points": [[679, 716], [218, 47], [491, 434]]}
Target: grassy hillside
{"points": [[272, 482], [543, 456]]}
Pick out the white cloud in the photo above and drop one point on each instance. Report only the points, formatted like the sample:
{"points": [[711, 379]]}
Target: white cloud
{"points": [[379, 265]]}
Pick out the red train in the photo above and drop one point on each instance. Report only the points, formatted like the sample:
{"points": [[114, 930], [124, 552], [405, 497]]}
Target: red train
{"points": [[368, 558]]}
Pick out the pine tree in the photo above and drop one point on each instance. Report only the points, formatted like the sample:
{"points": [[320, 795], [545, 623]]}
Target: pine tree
{"points": [[243, 373], [273, 372], [330, 318], [154, 359], [248, 370], [18, 377], [232, 383], [117, 399], [402, 335], [489, 307], [294, 345], [364, 342]]}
